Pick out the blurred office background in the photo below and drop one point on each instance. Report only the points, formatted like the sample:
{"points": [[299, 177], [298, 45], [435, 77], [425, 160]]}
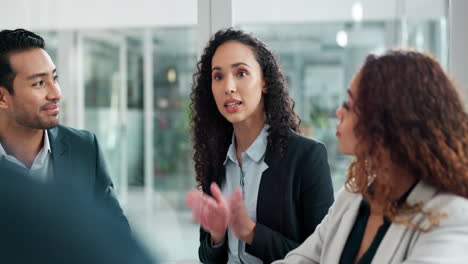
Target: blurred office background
{"points": [[126, 70]]}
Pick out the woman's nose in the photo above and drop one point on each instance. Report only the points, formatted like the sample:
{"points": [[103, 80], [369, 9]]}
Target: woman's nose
{"points": [[229, 86], [338, 112]]}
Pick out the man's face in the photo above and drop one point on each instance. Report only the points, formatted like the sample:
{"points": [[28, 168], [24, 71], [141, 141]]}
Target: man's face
{"points": [[35, 101]]}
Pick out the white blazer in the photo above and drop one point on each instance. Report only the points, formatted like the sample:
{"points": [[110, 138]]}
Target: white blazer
{"points": [[446, 243]]}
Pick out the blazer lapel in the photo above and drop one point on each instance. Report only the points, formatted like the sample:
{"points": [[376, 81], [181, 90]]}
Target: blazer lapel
{"points": [[270, 186], [60, 154], [270, 162], [392, 240], [390, 244], [343, 228], [271, 193], [273, 187], [11, 167]]}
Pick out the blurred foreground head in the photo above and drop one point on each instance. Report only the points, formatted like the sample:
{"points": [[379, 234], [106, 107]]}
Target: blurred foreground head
{"points": [[42, 224]]}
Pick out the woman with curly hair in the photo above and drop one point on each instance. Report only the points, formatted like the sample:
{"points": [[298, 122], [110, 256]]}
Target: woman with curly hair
{"points": [[265, 187], [406, 192]]}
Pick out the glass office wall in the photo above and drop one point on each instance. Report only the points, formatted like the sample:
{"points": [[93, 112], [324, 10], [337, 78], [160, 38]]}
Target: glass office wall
{"points": [[102, 77], [165, 218], [174, 60], [319, 58]]}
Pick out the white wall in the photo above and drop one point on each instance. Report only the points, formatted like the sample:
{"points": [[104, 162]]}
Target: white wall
{"points": [[73, 14], [281, 11], [458, 55]]}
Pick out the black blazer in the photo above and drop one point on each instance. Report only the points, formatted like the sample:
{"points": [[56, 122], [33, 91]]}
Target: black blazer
{"points": [[79, 165], [294, 195]]}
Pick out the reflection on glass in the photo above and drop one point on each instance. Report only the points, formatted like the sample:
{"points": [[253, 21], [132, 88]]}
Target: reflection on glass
{"points": [[101, 79], [135, 95], [319, 60], [174, 64], [165, 224], [103, 116], [174, 57]]}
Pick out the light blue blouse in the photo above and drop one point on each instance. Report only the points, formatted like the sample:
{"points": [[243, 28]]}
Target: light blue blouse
{"points": [[248, 178]]}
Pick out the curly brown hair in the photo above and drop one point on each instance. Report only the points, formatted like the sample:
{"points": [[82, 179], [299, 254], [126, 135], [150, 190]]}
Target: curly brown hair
{"points": [[211, 132], [407, 107]]}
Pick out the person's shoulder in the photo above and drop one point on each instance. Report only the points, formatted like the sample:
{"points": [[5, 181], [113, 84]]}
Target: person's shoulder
{"points": [[302, 146], [345, 201], [447, 215], [71, 133], [450, 204], [297, 140], [344, 196]]}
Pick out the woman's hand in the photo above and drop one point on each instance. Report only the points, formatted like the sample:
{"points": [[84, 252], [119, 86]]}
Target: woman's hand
{"points": [[212, 213], [240, 223]]}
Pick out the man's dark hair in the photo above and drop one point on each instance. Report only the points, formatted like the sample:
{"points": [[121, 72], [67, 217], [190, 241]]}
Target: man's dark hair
{"points": [[14, 41]]}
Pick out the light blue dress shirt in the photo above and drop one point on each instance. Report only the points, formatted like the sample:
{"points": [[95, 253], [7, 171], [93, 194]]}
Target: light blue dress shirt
{"points": [[248, 178], [42, 167]]}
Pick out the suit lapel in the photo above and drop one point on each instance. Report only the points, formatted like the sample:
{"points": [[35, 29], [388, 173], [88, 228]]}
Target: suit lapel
{"points": [[341, 233], [9, 166], [60, 153], [391, 242], [270, 161], [271, 193]]}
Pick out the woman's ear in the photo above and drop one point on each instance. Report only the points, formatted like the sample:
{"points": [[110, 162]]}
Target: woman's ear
{"points": [[264, 88]]}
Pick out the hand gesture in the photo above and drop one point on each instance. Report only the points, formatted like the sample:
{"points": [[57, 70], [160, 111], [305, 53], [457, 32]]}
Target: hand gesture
{"points": [[212, 213], [240, 223]]}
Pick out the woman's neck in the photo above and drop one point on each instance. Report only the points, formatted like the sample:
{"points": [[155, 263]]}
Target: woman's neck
{"points": [[402, 181], [246, 134], [399, 181]]}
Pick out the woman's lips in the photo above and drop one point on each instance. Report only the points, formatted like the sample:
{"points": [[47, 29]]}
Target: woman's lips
{"points": [[232, 106]]}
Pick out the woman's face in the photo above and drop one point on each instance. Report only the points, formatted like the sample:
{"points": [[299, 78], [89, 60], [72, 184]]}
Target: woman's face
{"points": [[347, 120], [237, 83]]}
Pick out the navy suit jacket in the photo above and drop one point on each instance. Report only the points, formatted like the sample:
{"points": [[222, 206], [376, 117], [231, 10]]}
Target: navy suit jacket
{"points": [[79, 166], [45, 223]]}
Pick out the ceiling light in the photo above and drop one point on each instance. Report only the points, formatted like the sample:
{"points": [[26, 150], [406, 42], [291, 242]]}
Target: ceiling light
{"points": [[357, 12], [342, 38]]}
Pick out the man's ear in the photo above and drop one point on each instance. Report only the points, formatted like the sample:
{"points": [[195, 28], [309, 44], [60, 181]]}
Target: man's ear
{"points": [[4, 98]]}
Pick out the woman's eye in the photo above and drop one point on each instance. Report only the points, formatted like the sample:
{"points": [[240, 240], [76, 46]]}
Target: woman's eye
{"points": [[346, 106], [56, 78], [217, 77], [242, 73]]}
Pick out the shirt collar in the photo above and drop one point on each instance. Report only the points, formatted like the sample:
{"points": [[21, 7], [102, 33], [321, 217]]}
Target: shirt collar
{"points": [[231, 153], [2, 150], [256, 151], [45, 146]]}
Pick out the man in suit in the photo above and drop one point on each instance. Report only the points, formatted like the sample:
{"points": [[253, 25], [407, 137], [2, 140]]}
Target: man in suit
{"points": [[30, 136]]}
